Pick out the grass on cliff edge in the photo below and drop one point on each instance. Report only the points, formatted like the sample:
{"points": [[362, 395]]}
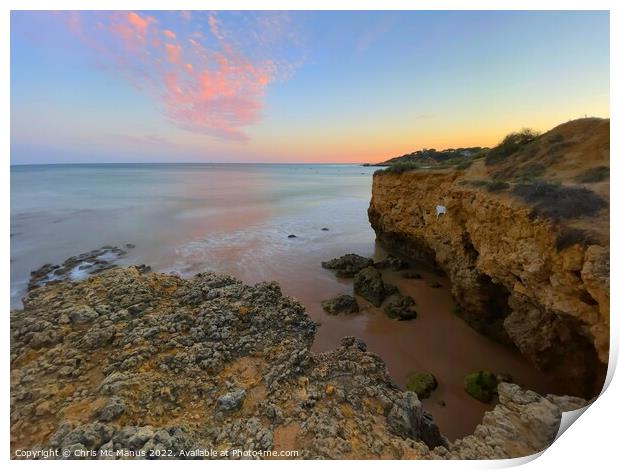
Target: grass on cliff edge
{"points": [[557, 202], [399, 168]]}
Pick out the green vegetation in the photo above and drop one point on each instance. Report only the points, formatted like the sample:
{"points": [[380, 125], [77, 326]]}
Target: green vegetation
{"points": [[481, 385], [559, 202], [464, 165], [451, 157], [493, 186], [530, 172], [569, 236], [593, 175], [511, 144], [421, 383], [496, 186], [399, 167]]}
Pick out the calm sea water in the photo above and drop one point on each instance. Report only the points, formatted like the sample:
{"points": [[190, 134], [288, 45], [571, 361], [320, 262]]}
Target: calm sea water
{"points": [[188, 218], [237, 219]]}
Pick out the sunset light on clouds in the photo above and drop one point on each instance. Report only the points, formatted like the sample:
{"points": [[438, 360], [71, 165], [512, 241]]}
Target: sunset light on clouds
{"points": [[297, 86], [205, 81]]}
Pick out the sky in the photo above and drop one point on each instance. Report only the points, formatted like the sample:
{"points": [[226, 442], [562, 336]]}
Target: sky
{"points": [[316, 86]]}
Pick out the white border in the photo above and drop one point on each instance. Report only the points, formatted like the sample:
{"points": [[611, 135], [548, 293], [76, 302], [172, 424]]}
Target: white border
{"points": [[590, 443]]}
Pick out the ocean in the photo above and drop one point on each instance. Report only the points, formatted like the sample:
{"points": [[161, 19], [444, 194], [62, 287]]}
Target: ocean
{"points": [[188, 218], [237, 218]]}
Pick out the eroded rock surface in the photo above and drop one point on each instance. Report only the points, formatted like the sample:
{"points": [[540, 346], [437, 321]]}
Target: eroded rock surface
{"points": [[522, 424], [347, 265], [158, 366], [341, 304], [79, 267]]}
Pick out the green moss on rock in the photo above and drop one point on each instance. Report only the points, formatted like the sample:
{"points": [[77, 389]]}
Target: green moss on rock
{"points": [[482, 385], [421, 383]]}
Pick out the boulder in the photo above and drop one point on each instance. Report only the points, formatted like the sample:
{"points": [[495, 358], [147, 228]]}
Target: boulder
{"points": [[231, 401], [368, 284], [343, 303], [400, 307], [112, 410], [348, 265], [83, 314]]}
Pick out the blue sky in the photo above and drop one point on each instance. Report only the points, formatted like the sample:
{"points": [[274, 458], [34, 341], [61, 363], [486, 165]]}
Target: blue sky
{"points": [[294, 86]]}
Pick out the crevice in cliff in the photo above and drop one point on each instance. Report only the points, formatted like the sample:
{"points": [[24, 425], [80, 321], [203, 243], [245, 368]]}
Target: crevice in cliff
{"points": [[492, 308], [469, 249]]}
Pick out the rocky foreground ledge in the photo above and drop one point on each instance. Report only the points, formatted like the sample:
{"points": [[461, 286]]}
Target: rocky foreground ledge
{"points": [[129, 364]]}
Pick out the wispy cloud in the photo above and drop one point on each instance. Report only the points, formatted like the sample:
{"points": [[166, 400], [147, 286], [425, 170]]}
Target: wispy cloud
{"points": [[205, 75], [375, 32]]}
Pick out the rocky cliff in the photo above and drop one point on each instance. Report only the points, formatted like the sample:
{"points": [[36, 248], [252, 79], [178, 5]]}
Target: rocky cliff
{"points": [[524, 240], [131, 364]]}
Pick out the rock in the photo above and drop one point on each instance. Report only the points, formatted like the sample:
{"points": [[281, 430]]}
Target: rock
{"points": [[43, 408], [340, 304], [231, 401], [482, 385], [83, 314], [522, 424], [129, 245], [353, 342], [292, 236], [421, 383], [390, 289], [348, 265], [76, 267], [368, 284], [112, 410], [400, 307], [392, 262], [407, 419], [410, 275]]}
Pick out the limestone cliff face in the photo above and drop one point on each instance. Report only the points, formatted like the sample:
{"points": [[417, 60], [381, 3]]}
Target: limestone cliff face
{"points": [[507, 273]]}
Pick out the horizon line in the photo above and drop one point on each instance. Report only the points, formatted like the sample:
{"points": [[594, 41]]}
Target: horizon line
{"points": [[191, 163]]}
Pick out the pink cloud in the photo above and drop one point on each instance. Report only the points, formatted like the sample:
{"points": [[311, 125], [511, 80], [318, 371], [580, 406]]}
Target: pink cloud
{"points": [[174, 53], [138, 22], [211, 85]]}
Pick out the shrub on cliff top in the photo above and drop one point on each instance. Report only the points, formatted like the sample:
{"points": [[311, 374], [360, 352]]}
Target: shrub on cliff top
{"points": [[510, 145], [559, 202], [569, 236], [464, 165], [399, 168], [593, 175], [496, 186]]}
